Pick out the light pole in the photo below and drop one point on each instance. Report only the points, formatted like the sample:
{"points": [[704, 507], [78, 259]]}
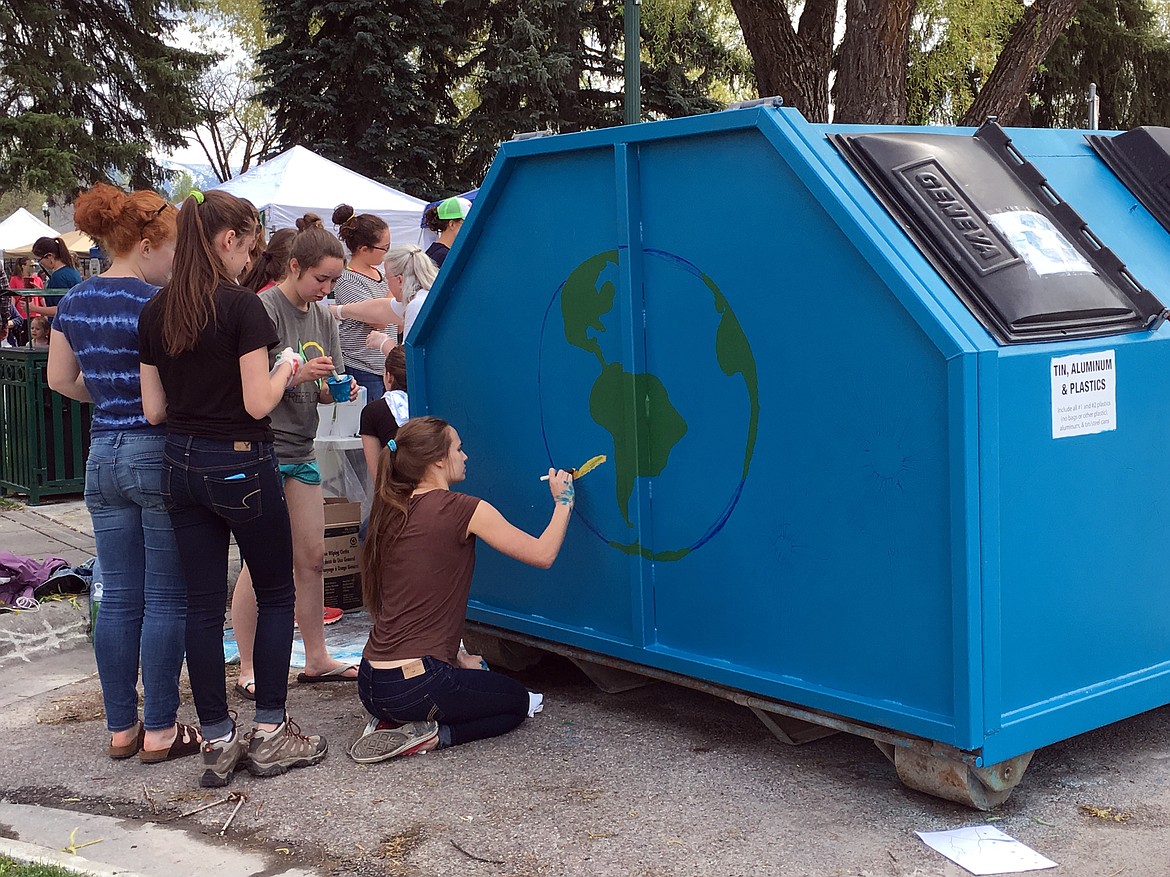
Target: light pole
{"points": [[45, 211], [633, 65]]}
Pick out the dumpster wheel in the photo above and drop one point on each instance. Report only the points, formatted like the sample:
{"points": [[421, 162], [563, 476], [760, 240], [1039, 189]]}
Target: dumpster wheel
{"points": [[943, 775]]}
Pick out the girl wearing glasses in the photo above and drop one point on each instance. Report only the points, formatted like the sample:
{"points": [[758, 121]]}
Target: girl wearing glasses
{"points": [[367, 237]]}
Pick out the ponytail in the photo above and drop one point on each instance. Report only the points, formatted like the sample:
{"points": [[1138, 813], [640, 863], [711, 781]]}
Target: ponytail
{"points": [[188, 299], [420, 442]]}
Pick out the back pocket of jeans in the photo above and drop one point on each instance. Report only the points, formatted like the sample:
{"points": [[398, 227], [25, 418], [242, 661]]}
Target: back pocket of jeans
{"points": [[236, 500]]}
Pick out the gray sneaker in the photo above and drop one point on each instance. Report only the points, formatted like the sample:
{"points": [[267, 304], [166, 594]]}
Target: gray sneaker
{"points": [[222, 758], [275, 752], [380, 743]]}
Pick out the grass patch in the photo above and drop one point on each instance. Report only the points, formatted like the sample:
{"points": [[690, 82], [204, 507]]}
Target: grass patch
{"points": [[9, 505], [9, 868]]}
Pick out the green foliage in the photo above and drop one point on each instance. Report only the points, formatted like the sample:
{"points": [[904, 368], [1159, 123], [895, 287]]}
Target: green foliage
{"points": [[29, 199], [420, 93], [1121, 45], [183, 186], [954, 47], [365, 83], [86, 89]]}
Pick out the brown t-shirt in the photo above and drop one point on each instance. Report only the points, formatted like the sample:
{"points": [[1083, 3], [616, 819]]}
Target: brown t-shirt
{"points": [[425, 580]]}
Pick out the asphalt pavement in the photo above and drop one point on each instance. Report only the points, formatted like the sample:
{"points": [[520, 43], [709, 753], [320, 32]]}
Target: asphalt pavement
{"points": [[655, 782]]}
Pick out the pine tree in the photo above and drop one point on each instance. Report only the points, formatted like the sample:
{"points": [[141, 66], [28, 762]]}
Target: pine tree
{"points": [[364, 83], [420, 94], [87, 89], [1122, 46]]}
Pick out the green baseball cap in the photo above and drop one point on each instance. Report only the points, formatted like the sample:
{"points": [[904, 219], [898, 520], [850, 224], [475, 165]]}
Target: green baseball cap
{"points": [[454, 208]]}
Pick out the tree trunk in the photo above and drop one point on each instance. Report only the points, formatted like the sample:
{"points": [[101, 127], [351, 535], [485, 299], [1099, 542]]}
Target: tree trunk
{"points": [[792, 63], [875, 55], [1029, 44]]}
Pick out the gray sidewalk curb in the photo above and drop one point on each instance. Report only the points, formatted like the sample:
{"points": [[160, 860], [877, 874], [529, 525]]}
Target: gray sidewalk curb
{"points": [[33, 854]]}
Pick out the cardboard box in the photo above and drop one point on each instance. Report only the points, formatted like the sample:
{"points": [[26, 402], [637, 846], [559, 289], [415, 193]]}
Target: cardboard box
{"points": [[343, 580]]}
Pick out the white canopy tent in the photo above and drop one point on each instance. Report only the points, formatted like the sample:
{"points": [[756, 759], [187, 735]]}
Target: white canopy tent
{"points": [[21, 229], [299, 181]]}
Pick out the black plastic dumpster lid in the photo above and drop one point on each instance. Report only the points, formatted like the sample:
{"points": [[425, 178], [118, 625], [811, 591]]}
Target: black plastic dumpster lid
{"points": [[1141, 160], [1021, 259]]}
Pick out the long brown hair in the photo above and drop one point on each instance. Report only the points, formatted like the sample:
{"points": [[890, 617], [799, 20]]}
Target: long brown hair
{"points": [[272, 265], [396, 366], [188, 300], [420, 442], [119, 221]]}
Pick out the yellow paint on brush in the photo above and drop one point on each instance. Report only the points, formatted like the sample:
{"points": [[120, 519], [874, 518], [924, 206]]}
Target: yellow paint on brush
{"points": [[588, 466]]}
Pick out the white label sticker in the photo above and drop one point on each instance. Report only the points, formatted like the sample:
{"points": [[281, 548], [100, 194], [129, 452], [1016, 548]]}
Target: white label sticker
{"points": [[1084, 394], [1041, 244]]}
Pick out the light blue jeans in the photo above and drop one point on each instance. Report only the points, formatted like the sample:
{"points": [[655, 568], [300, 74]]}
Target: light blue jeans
{"points": [[144, 600]]}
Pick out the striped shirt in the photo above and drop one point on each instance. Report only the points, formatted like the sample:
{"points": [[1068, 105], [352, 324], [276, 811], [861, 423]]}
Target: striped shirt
{"points": [[353, 287], [99, 319]]}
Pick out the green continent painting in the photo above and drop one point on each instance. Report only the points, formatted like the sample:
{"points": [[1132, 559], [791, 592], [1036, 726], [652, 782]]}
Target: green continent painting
{"points": [[694, 362]]}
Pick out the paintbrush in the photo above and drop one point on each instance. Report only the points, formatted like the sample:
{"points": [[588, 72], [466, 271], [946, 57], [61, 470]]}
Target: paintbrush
{"points": [[319, 347], [584, 469]]}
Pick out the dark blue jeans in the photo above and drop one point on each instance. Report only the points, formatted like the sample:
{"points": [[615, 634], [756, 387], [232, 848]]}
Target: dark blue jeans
{"points": [[467, 704], [214, 490], [373, 383]]}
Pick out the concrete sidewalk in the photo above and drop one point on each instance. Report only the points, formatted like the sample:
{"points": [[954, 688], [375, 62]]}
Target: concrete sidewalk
{"points": [[52, 529]]}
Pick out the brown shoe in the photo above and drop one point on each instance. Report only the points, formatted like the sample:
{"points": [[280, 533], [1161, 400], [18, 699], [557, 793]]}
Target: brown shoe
{"points": [[186, 742], [129, 750], [275, 752]]}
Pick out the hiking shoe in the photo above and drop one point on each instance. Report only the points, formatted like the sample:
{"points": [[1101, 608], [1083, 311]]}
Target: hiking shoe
{"points": [[381, 741], [222, 758], [275, 752]]}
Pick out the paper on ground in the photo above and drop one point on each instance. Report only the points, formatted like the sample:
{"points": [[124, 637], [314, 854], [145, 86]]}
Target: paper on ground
{"points": [[535, 703], [984, 849]]}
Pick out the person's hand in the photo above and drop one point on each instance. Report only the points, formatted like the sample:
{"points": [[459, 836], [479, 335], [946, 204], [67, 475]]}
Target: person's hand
{"points": [[560, 485], [334, 311], [316, 368], [375, 340], [288, 356], [470, 662], [353, 389]]}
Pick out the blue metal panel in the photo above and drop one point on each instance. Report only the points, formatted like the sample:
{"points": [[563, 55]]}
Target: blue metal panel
{"points": [[845, 494]]}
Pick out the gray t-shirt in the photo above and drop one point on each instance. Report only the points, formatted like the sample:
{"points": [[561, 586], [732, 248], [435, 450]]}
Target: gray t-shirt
{"points": [[294, 420]]}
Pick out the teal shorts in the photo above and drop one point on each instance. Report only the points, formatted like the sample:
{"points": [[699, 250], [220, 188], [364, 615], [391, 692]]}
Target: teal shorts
{"points": [[306, 473]]}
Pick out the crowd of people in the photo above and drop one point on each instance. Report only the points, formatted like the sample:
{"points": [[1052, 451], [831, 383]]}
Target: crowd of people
{"points": [[206, 353]]}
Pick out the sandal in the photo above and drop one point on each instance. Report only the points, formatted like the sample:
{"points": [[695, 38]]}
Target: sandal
{"points": [[246, 688], [186, 743], [128, 750]]}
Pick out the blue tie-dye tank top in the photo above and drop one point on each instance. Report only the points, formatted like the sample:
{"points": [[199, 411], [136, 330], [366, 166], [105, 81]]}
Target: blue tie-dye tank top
{"points": [[99, 319]]}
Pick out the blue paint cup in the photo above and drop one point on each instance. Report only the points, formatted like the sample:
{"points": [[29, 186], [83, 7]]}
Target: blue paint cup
{"points": [[339, 388]]}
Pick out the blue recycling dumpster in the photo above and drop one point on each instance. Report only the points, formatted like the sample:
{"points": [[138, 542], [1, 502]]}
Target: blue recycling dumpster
{"points": [[885, 411]]}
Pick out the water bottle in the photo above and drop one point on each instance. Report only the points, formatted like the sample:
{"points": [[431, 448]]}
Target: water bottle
{"points": [[95, 605]]}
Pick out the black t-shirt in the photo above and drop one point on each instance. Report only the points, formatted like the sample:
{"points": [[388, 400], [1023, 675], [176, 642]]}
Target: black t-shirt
{"points": [[378, 421], [438, 252], [205, 395]]}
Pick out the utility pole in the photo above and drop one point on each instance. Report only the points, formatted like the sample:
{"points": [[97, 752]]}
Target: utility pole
{"points": [[633, 66]]}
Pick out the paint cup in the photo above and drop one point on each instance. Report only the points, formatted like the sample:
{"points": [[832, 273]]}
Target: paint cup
{"points": [[339, 387]]}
